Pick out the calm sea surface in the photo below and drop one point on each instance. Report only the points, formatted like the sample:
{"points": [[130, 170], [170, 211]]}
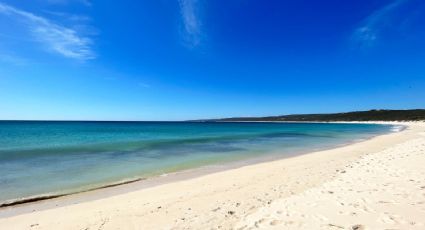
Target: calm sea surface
{"points": [[38, 158]]}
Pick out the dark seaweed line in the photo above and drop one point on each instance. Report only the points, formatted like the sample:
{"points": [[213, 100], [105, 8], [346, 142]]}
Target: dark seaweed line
{"points": [[48, 197]]}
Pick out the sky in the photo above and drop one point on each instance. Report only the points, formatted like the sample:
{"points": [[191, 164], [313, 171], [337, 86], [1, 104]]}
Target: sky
{"points": [[194, 59]]}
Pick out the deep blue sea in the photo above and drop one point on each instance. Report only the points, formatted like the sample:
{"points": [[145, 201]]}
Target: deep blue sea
{"points": [[39, 158]]}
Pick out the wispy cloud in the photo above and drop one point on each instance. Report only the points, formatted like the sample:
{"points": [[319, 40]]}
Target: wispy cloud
{"points": [[373, 25], [191, 23], [62, 40], [69, 17]]}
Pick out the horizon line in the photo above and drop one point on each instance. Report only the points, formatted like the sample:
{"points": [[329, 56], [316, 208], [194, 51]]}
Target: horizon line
{"points": [[201, 119]]}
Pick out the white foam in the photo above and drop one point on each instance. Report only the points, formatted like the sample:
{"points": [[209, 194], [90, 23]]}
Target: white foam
{"points": [[397, 128]]}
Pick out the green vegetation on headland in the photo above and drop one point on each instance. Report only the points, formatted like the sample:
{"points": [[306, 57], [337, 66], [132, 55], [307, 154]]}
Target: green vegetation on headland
{"points": [[371, 115]]}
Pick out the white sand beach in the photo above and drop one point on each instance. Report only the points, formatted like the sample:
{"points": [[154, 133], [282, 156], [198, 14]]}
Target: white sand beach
{"points": [[375, 184]]}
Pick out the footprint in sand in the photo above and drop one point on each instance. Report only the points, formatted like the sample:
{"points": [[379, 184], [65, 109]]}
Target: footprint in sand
{"points": [[275, 222], [358, 227]]}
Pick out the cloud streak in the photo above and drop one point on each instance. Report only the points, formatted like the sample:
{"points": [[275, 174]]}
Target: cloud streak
{"points": [[369, 31], [59, 39], [191, 22]]}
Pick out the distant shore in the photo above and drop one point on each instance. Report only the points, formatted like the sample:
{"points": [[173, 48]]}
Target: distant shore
{"points": [[235, 197]]}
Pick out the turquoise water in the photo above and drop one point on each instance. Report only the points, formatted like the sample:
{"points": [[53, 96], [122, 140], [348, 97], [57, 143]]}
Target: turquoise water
{"points": [[39, 158]]}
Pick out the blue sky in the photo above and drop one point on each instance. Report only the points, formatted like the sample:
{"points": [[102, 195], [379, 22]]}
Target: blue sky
{"points": [[188, 59]]}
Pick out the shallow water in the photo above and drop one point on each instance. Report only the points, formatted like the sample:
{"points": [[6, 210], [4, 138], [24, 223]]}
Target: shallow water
{"points": [[62, 157]]}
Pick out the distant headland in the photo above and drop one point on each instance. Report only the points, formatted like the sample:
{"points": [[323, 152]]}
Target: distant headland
{"points": [[371, 115]]}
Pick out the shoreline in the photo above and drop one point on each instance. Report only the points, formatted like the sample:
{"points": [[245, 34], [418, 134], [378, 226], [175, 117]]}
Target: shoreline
{"points": [[40, 202], [222, 188]]}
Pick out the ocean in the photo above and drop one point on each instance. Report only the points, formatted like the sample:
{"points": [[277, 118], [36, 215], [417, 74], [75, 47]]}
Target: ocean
{"points": [[42, 158]]}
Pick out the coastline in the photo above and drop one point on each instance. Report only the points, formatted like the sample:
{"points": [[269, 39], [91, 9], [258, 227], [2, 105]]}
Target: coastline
{"points": [[44, 201], [222, 185]]}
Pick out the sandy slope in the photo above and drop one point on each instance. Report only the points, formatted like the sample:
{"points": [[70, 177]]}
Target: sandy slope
{"points": [[375, 184], [385, 190]]}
